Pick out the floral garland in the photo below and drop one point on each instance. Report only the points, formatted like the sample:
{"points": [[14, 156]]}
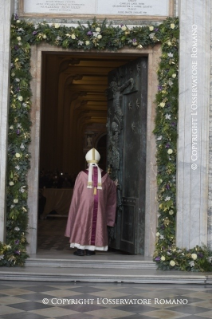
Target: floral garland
{"points": [[167, 255], [95, 36]]}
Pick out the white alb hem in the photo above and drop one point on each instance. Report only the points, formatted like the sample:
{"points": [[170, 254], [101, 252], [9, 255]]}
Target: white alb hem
{"points": [[89, 247]]}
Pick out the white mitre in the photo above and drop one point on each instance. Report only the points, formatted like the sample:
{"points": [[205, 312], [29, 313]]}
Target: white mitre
{"points": [[92, 157]]}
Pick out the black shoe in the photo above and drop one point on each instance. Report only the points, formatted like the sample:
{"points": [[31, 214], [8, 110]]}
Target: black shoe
{"points": [[79, 252], [90, 252]]}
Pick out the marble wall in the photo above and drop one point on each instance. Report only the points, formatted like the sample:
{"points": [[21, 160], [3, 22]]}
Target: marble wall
{"points": [[193, 125], [210, 150], [5, 16], [194, 163]]}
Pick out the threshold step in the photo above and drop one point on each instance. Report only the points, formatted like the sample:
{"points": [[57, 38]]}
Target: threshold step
{"points": [[93, 263]]}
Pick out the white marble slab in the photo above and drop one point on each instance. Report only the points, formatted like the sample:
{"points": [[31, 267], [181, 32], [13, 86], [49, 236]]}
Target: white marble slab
{"points": [[193, 127], [5, 16], [101, 7], [210, 158]]}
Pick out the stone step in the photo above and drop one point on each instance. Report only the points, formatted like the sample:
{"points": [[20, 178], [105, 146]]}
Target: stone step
{"points": [[103, 275], [94, 263]]}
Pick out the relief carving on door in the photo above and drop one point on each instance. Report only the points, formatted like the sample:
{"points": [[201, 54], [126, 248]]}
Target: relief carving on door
{"points": [[126, 152], [114, 128], [115, 125]]}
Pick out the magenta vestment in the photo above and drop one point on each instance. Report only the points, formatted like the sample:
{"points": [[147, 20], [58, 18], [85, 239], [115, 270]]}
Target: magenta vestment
{"points": [[91, 213]]}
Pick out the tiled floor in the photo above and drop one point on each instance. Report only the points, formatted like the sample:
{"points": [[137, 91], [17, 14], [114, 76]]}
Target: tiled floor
{"points": [[51, 234], [31, 300], [51, 237]]}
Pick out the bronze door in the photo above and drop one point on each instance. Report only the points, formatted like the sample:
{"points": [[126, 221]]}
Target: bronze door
{"points": [[126, 152]]}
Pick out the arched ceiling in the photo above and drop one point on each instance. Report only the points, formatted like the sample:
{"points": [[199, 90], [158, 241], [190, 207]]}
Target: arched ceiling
{"points": [[74, 102]]}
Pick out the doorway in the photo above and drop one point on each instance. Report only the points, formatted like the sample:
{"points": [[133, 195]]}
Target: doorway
{"points": [[73, 120], [84, 125]]}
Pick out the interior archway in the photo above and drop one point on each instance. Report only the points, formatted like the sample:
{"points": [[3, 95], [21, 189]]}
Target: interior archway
{"points": [[74, 107], [73, 120]]}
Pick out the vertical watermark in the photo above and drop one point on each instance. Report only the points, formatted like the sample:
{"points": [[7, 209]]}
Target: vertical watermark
{"points": [[194, 97]]}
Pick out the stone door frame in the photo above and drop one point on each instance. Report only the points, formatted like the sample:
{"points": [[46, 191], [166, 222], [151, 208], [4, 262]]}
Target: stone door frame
{"points": [[153, 55]]}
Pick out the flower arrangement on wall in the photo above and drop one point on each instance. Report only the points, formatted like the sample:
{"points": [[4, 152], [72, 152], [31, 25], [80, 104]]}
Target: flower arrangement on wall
{"points": [[96, 36]]}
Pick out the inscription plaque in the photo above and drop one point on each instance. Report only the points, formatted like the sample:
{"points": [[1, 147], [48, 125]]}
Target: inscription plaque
{"points": [[97, 7]]}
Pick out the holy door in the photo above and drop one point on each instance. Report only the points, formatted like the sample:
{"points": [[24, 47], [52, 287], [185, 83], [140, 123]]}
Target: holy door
{"points": [[126, 152]]}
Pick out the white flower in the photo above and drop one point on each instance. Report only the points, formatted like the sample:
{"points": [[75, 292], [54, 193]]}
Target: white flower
{"points": [[58, 38], [172, 25], [157, 234], [170, 55], [80, 42], [13, 74], [17, 79], [22, 190], [151, 28], [210, 259], [12, 206], [18, 21], [19, 125], [124, 28], [15, 201], [167, 198], [140, 46], [161, 237], [20, 43], [11, 183], [168, 116], [73, 36], [24, 104], [97, 29], [162, 104], [17, 155], [1, 257], [174, 75], [20, 98], [99, 36], [159, 138], [191, 263], [44, 36], [11, 127], [151, 35], [22, 147], [57, 25], [87, 42], [170, 82], [169, 43], [163, 258], [17, 167], [171, 212], [170, 151], [18, 38], [194, 256], [16, 228], [172, 263]]}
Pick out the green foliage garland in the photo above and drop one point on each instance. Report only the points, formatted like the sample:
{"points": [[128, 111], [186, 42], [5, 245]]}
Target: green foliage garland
{"points": [[93, 36]]}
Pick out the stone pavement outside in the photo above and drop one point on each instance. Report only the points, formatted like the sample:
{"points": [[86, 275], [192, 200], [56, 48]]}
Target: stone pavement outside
{"points": [[49, 300]]}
